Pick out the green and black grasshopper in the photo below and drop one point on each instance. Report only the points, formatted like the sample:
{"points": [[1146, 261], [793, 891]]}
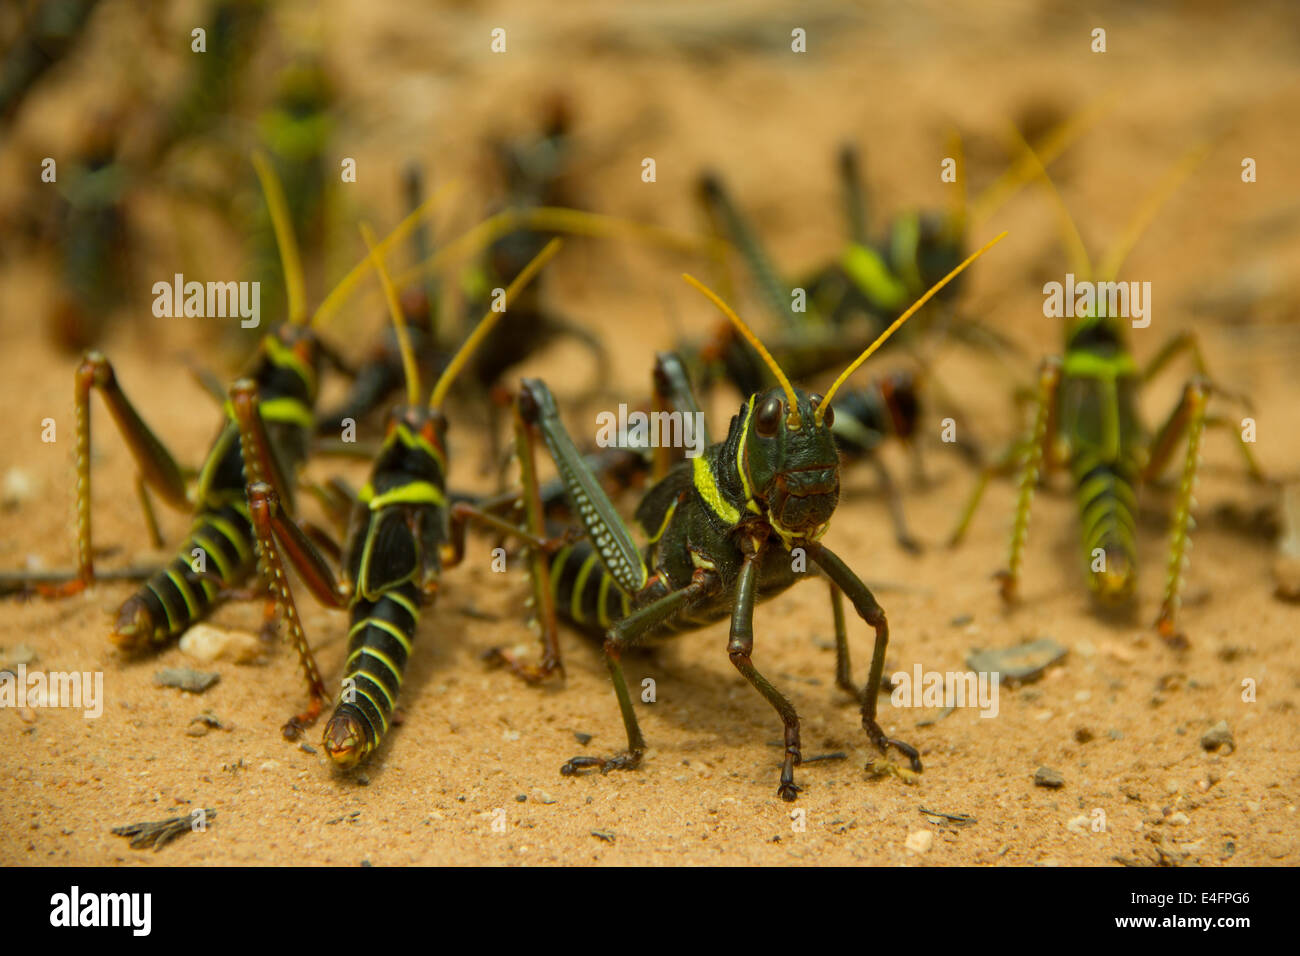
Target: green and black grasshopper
{"points": [[887, 409], [849, 301], [871, 280], [1086, 419], [723, 530], [382, 374], [403, 532], [218, 555]]}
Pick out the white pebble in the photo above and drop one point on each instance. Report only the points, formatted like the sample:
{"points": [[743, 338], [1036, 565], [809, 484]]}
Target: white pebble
{"points": [[919, 841], [206, 643]]}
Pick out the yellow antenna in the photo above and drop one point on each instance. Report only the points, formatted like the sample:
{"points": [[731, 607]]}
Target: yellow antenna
{"points": [[556, 219], [1049, 148], [350, 281], [1076, 251], [489, 320], [284, 237], [409, 368], [897, 324], [1169, 182], [793, 418]]}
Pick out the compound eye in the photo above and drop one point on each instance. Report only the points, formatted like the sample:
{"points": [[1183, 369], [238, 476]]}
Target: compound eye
{"points": [[768, 417], [828, 419]]}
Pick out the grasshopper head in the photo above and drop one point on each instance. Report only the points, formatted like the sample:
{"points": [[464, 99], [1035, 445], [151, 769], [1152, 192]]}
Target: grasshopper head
{"points": [[414, 442], [288, 363], [789, 459], [344, 741]]}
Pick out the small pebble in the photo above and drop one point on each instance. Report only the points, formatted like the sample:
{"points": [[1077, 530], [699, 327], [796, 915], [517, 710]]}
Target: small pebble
{"points": [[543, 797], [1079, 824], [1178, 819], [204, 722], [1117, 651], [582, 738], [1024, 662], [1219, 735], [205, 643], [18, 654], [521, 798], [18, 488], [919, 841], [183, 678], [1047, 777]]}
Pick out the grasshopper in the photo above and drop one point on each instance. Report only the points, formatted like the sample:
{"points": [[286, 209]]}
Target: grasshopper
{"points": [[723, 529], [403, 533], [1085, 419], [871, 280], [286, 369]]}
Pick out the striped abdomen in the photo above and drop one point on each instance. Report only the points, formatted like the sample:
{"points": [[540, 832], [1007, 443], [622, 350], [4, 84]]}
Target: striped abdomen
{"points": [[379, 644], [585, 594], [588, 597], [1107, 510], [218, 555]]}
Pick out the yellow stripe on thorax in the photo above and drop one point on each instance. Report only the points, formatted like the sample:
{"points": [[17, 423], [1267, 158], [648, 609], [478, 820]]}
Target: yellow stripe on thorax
{"points": [[410, 493], [742, 458], [707, 487]]}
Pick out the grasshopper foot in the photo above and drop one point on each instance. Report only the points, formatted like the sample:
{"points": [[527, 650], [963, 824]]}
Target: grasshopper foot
{"points": [[627, 760], [529, 673], [878, 738], [296, 724]]}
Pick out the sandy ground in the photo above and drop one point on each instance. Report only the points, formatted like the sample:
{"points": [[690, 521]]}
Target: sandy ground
{"points": [[471, 775]]}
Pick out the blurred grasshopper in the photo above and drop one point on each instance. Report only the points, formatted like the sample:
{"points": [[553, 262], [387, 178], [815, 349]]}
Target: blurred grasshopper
{"points": [[1086, 419], [726, 530], [534, 176], [403, 532], [296, 132], [382, 374], [218, 555], [51, 29], [869, 280]]}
